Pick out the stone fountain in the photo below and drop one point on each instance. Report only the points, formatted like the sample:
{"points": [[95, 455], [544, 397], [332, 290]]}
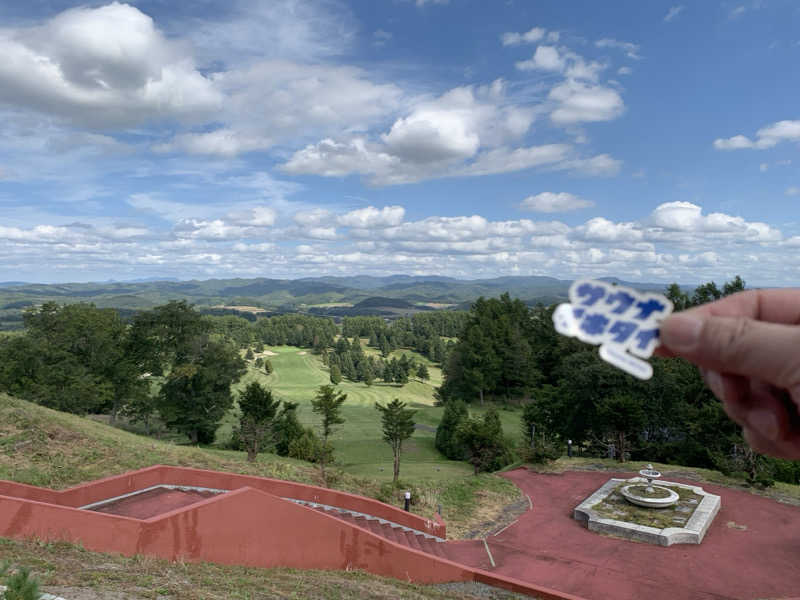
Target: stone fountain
{"points": [[649, 495]]}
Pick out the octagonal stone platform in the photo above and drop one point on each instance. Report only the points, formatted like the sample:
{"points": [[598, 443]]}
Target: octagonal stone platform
{"points": [[691, 533]]}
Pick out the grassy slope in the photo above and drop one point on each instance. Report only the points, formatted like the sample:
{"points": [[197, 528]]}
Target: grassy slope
{"points": [[76, 574], [360, 449], [48, 448]]}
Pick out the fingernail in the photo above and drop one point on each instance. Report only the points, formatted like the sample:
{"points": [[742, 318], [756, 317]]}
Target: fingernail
{"points": [[764, 423], [681, 331], [714, 383]]}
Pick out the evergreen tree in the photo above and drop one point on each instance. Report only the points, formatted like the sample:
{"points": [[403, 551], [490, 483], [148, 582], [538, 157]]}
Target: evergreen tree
{"points": [[455, 411], [257, 419], [483, 440], [328, 405], [336, 375], [422, 372], [197, 392], [287, 428], [398, 426]]}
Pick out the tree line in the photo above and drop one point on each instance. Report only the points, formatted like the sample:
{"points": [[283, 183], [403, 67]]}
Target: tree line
{"points": [[423, 332]]}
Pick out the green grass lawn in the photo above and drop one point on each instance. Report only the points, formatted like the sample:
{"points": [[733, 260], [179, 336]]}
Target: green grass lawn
{"points": [[359, 446]]}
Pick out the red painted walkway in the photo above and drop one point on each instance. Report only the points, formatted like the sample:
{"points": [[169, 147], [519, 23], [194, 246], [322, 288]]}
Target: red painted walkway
{"points": [[548, 547]]}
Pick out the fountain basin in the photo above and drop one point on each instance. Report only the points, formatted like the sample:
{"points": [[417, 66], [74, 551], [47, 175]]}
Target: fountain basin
{"points": [[640, 495]]}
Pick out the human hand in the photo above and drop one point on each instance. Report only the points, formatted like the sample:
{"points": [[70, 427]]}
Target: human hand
{"points": [[748, 348]]}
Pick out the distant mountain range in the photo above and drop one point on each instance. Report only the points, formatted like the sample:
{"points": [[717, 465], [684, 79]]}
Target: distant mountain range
{"points": [[323, 295]]}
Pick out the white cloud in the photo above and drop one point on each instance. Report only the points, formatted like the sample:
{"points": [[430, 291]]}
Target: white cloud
{"points": [[312, 217], [736, 142], [688, 217], [624, 71], [580, 102], [763, 167], [673, 12], [551, 202], [221, 142], [536, 34], [601, 229], [793, 191], [275, 101], [505, 160], [466, 131], [259, 216], [766, 137], [677, 241], [546, 58], [388, 216], [630, 49], [103, 67], [424, 2], [305, 32]]}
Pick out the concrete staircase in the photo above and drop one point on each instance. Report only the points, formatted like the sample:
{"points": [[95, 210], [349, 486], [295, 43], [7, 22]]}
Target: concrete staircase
{"points": [[401, 534]]}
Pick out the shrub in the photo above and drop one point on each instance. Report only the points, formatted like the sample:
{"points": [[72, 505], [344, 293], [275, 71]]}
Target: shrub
{"points": [[310, 448], [20, 585]]}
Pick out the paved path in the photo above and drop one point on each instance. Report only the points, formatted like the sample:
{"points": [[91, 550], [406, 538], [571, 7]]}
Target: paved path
{"points": [[546, 546]]}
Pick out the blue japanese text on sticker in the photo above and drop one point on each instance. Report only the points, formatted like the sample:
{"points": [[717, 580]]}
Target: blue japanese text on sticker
{"points": [[624, 322]]}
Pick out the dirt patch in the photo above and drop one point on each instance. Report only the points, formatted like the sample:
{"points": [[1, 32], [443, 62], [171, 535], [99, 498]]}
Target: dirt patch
{"points": [[302, 353], [492, 518], [268, 353]]}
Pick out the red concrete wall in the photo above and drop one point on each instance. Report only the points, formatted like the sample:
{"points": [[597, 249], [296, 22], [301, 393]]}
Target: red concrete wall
{"points": [[24, 519], [310, 493], [110, 487], [28, 492], [250, 526], [254, 528]]}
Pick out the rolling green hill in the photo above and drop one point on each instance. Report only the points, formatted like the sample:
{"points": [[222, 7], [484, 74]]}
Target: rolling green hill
{"points": [[286, 294]]}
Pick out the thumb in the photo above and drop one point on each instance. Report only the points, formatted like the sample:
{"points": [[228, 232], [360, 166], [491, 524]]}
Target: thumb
{"points": [[737, 346]]}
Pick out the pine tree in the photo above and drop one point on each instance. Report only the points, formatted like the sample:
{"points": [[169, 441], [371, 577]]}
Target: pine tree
{"points": [[327, 404], [398, 426]]}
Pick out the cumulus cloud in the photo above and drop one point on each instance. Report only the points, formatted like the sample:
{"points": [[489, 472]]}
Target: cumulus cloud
{"points": [[581, 102], [687, 217], [276, 101], [546, 58], [103, 67], [466, 131], [551, 202], [677, 240], [766, 137], [388, 216], [532, 36]]}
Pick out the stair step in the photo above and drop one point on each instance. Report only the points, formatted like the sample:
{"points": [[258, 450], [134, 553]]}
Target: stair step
{"points": [[412, 540], [390, 533]]}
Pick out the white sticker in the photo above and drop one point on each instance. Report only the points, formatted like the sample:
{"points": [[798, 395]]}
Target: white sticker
{"points": [[624, 322]]}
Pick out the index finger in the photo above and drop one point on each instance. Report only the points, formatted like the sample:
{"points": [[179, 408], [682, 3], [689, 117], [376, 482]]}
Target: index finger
{"points": [[770, 305]]}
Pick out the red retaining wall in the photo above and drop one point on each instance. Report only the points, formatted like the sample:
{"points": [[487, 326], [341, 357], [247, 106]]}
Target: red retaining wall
{"points": [[250, 525]]}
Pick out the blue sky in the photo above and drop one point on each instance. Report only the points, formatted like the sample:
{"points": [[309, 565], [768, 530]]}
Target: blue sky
{"points": [[652, 141]]}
